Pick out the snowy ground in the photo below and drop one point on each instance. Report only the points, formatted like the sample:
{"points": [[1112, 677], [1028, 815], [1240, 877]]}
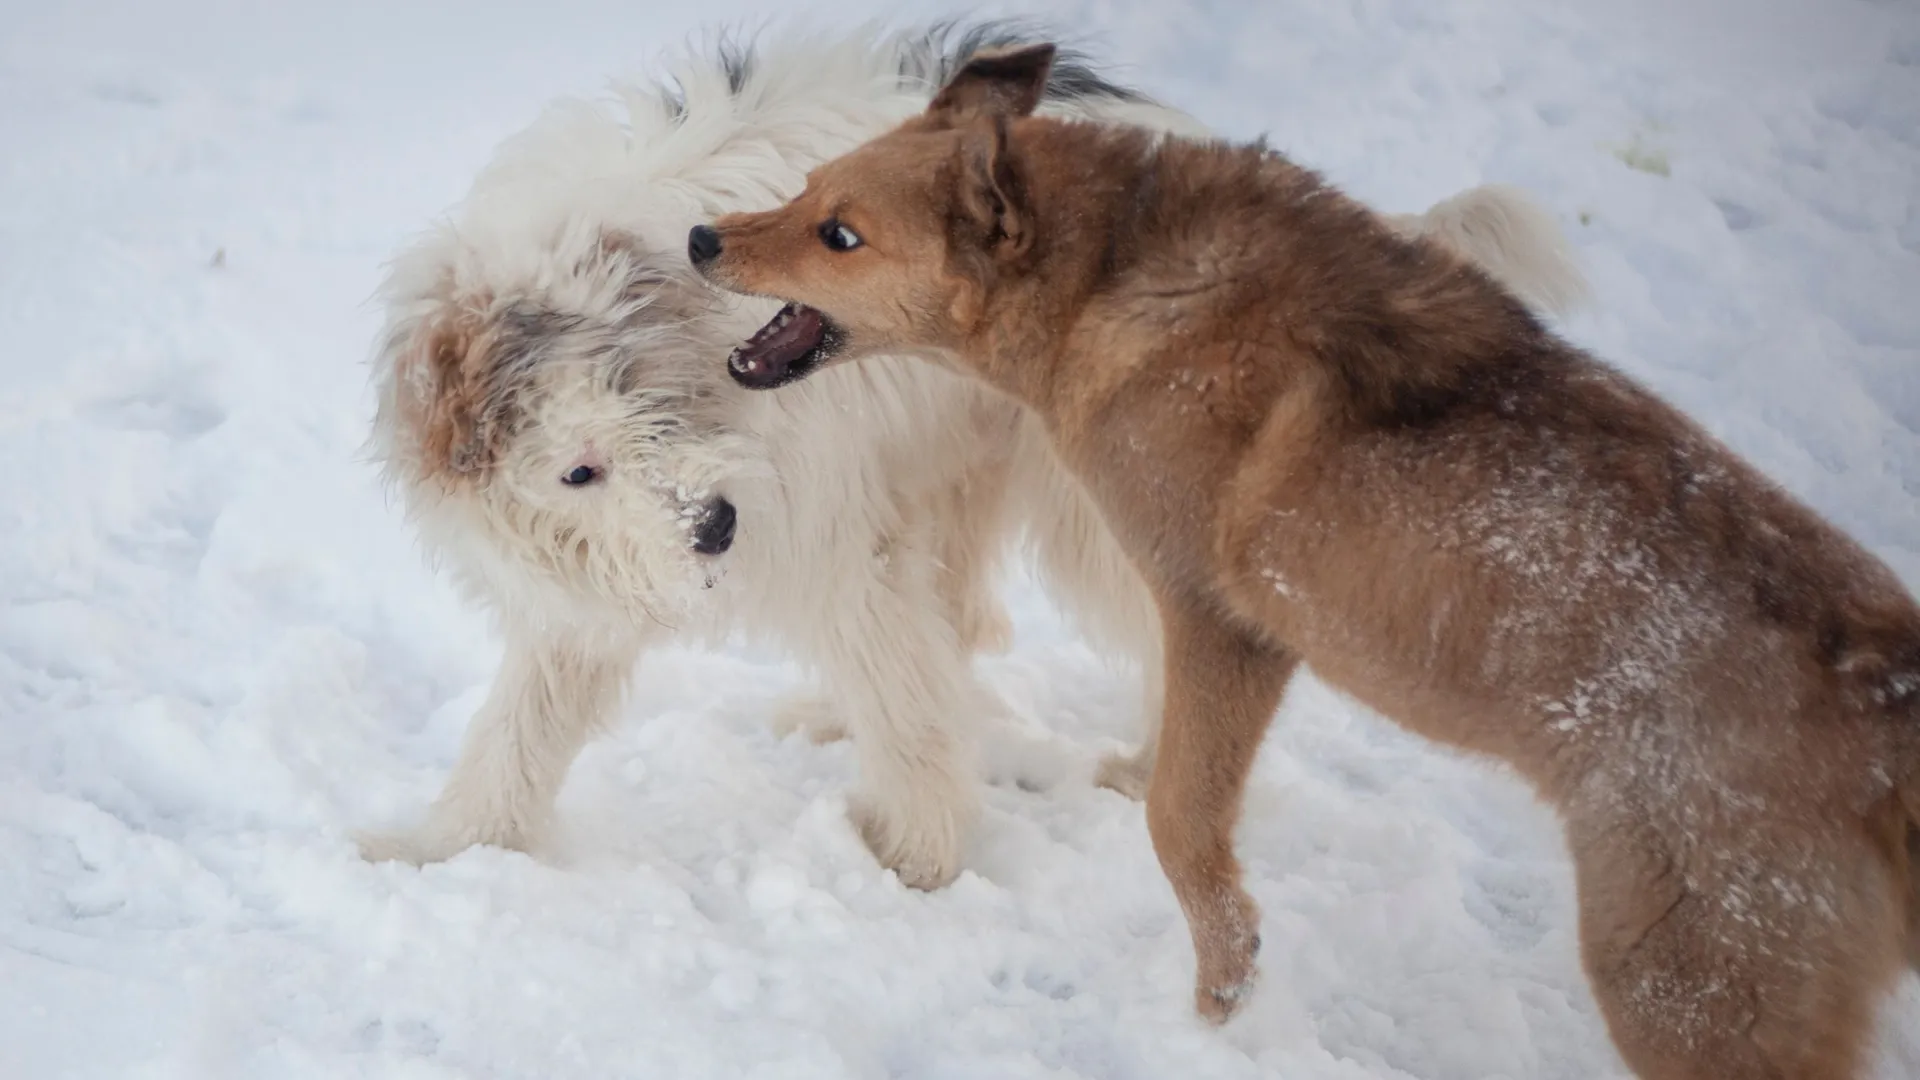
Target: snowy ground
{"points": [[219, 653]]}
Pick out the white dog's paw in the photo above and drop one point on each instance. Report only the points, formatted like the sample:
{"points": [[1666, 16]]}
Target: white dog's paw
{"points": [[812, 715], [1127, 774], [402, 847], [1014, 756], [433, 842], [919, 837]]}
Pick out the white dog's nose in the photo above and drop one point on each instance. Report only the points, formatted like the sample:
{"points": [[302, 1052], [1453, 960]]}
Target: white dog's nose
{"points": [[714, 534]]}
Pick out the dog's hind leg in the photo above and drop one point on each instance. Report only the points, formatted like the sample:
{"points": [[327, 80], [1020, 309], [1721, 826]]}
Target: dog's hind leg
{"points": [[969, 525], [1222, 691], [1129, 774], [1767, 962], [551, 694]]}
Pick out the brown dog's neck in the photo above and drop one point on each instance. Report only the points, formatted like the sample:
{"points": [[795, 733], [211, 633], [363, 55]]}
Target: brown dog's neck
{"points": [[1083, 184], [1122, 217]]}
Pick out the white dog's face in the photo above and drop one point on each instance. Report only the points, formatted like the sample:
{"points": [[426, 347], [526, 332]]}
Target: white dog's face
{"points": [[571, 435]]}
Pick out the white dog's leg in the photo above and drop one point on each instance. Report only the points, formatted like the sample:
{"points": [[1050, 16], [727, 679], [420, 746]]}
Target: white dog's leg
{"points": [[892, 660], [1094, 583], [1128, 773], [968, 520], [550, 696], [965, 523]]}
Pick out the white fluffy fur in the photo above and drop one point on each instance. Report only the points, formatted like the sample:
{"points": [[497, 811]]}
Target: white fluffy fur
{"points": [[873, 499]]}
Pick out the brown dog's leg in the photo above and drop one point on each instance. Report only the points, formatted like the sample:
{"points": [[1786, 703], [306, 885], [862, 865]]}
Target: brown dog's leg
{"points": [[1751, 968], [1222, 690]]}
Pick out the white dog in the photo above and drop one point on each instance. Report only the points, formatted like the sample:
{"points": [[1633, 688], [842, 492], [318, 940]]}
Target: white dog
{"points": [[555, 412]]}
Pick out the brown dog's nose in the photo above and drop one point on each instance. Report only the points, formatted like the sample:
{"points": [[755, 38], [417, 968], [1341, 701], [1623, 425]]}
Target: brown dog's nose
{"points": [[703, 244]]}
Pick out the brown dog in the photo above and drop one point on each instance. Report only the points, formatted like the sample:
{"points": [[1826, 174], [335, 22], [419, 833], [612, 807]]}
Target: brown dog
{"points": [[1326, 443]]}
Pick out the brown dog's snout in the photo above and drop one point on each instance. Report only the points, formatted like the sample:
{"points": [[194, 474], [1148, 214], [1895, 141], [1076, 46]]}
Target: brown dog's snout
{"points": [[703, 244]]}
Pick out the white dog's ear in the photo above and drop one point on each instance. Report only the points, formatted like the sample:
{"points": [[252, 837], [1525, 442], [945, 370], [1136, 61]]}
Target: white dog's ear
{"points": [[445, 390], [998, 82]]}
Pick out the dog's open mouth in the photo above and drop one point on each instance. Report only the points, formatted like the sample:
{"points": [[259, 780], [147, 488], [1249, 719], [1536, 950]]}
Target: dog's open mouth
{"points": [[794, 342]]}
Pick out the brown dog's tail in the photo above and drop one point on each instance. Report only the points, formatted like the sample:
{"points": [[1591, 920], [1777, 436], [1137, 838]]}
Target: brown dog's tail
{"points": [[1501, 230]]}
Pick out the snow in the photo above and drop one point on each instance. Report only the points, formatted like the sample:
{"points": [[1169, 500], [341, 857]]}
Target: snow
{"points": [[219, 651]]}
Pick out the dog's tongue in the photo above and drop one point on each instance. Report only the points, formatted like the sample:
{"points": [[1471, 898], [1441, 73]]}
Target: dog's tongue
{"points": [[767, 355]]}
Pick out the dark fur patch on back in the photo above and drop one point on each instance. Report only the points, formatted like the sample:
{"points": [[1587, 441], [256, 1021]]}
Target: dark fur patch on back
{"points": [[737, 60], [931, 57], [1415, 333], [936, 55]]}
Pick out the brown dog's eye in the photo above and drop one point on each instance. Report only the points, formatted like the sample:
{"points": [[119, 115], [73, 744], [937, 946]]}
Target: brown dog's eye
{"points": [[838, 237]]}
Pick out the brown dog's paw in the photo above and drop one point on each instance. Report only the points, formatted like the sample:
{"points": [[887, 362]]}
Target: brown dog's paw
{"points": [[1217, 1005], [1228, 953], [1126, 773]]}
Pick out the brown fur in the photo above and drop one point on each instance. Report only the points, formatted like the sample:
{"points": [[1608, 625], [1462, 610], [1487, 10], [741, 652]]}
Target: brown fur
{"points": [[459, 434], [1323, 442]]}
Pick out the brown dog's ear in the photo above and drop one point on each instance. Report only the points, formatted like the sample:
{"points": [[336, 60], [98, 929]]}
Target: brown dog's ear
{"points": [[998, 82], [991, 191]]}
